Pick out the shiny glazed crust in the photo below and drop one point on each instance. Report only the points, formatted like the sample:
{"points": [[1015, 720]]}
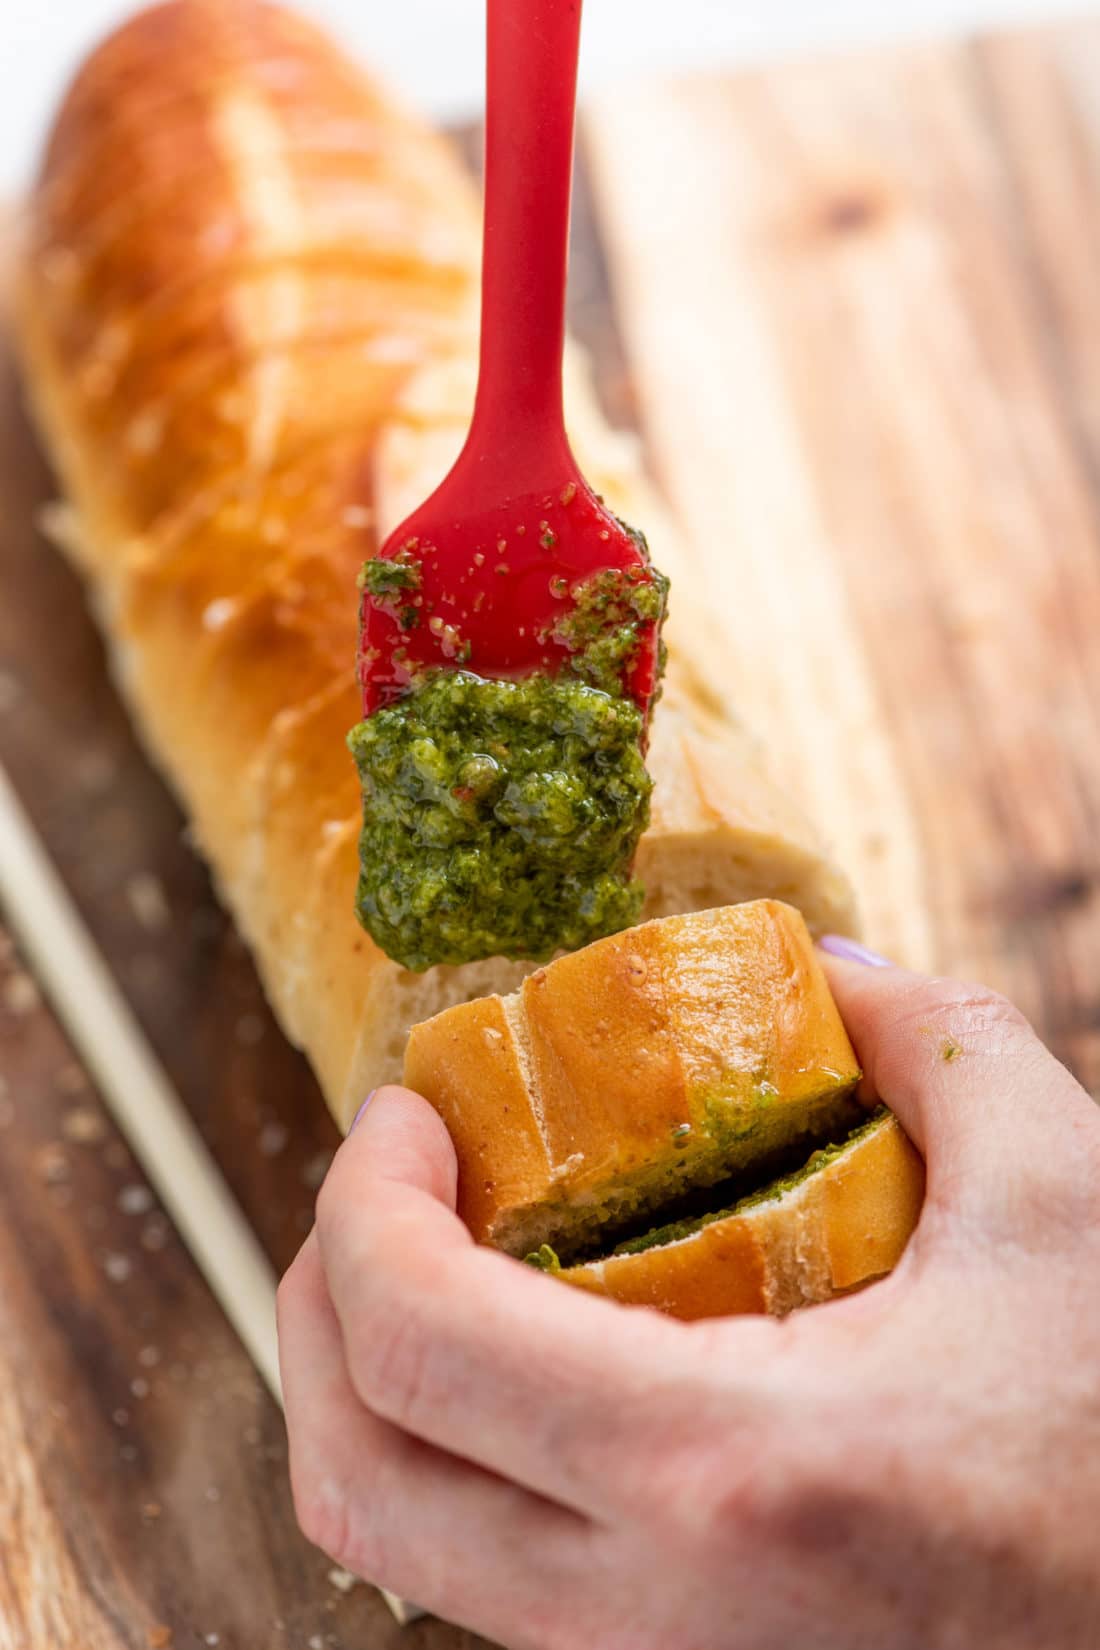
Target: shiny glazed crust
{"points": [[647, 1064], [248, 315]]}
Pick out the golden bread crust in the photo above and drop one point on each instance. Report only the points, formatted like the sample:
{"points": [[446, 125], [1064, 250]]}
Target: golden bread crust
{"points": [[639, 1067]]}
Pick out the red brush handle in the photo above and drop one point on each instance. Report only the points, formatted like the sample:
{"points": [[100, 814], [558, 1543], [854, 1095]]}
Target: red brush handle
{"points": [[530, 106]]}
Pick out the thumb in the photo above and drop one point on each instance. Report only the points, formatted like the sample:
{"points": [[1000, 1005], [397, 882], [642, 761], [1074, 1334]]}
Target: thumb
{"points": [[980, 1096], [398, 1137]]}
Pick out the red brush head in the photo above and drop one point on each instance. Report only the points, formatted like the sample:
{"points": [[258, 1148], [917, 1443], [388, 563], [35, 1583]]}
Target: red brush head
{"points": [[546, 582]]}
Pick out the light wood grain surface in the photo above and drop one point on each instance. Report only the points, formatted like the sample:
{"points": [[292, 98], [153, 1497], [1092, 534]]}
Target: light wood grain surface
{"points": [[862, 311], [857, 318]]}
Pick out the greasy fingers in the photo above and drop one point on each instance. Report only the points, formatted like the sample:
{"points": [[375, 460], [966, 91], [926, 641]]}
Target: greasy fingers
{"points": [[476, 1353], [396, 1511], [991, 1109]]}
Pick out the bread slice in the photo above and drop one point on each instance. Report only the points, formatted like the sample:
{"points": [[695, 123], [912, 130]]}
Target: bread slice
{"points": [[835, 1225], [627, 1075]]}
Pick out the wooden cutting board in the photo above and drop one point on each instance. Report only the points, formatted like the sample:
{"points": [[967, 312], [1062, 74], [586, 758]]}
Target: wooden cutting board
{"points": [[857, 322]]}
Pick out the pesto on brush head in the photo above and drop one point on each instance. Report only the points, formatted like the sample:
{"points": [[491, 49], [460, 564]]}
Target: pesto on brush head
{"points": [[500, 818], [395, 586], [601, 629]]}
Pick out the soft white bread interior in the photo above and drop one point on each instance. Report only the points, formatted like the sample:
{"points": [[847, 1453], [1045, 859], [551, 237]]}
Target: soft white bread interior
{"points": [[634, 1072], [247, 317]]}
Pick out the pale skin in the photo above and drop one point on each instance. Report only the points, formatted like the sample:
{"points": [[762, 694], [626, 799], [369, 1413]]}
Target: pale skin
{"points": [[916, 1467]]}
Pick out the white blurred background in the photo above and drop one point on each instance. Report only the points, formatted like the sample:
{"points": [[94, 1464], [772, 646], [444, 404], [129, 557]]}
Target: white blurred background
{"points": [[432, 48]]}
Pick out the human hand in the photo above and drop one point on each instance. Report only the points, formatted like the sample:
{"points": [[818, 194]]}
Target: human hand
{"points": [[916, 1467]]}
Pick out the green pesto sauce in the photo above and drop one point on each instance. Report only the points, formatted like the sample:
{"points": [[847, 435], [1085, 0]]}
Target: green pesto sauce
{"points": [[601, 628], [820, 1159], [500, 818], [394, 586]]}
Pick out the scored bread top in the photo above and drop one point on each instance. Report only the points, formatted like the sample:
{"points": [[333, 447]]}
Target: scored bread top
{"points": [[623, 1075], [826, 1232]]}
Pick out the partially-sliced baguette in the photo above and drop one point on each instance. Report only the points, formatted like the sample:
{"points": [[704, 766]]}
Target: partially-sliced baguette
{"points": [[840, 1222], [646, 1066], [243, 384]]}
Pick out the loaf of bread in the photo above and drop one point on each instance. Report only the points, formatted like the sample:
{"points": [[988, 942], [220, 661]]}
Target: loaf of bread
{"points": [[248, 319]]}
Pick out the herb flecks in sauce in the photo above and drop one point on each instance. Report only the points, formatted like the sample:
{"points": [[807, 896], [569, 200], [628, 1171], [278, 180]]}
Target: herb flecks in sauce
{"points": [[499, 817], [600, 629], [394, 585]]}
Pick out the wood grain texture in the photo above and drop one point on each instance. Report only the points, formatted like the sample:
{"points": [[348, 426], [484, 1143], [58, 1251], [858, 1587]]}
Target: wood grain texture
{"points": [[862, 329], [862, 309], [143, 1491]]}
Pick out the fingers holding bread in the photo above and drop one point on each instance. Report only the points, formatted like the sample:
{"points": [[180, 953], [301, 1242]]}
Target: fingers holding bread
{"points": [[962, 1067]]}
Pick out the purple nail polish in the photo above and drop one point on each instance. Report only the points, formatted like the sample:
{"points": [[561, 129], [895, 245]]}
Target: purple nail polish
{"points": [[358, 1116], [839, 945]]}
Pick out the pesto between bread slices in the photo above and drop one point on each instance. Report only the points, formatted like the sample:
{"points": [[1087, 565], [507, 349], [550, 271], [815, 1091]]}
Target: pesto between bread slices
{"points": [[501, 818], [674, 1231]]}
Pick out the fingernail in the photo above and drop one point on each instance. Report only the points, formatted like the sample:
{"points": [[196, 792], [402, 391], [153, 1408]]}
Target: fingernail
{"points": [[362, 1109], [839, 945]]}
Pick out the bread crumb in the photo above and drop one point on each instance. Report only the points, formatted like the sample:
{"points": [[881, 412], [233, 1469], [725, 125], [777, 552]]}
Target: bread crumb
{"points": [[140, 1387], [159, 1638], [342, 1580], [950, 1050], [121, 1417], [150, 1512], [273, 1139], [135, 1200], [218, 613], [117, 1267], [149, 1357], [148, 902], [84, 1126]]}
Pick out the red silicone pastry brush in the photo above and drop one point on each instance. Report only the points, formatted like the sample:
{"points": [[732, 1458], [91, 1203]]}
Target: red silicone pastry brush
{"points": [[489, 572]]}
